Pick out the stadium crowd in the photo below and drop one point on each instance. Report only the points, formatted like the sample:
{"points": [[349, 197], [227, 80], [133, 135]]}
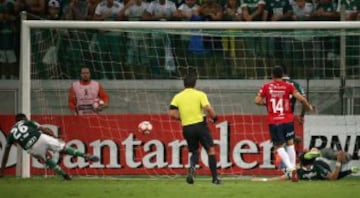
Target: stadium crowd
{"points": [[127, 59]]}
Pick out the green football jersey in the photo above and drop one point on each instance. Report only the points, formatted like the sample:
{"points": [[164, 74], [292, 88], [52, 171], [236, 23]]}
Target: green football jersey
{"points": [[351, 5], [319, 171], [24, 133], [298, 88], [278, 7], [252, 5], [327, 7]]}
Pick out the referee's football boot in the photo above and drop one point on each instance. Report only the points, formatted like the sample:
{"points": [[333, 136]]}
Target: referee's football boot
{"points": [[216, 181], [190, 175]]}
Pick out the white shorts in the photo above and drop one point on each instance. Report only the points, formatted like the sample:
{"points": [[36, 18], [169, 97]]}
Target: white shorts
{"points": [[44, 144], [7, 56]]}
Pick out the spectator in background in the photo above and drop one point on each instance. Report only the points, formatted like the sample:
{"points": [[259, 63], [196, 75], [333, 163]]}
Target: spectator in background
{"points": [[305, 48], [352, 13], [211, 46], [85, 95], [108, 10], [35, 8], [210, 10], [8, 30], [75, 40], [137, 48], [325, 11], [352, 8], [76, 10], [187, 9], [91, 5], [252, 10], [111, 43], [232, 46], [53, 10], [51, 55], [134, 10], [161, 10], [277, 47], [278, 10], [302, 10], [232, 11]]}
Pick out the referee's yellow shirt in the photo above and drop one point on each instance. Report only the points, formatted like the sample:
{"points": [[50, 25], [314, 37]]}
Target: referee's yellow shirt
{"points": [[190, 103]]}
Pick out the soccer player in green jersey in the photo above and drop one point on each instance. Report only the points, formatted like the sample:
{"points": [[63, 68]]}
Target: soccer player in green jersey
{"points": [[187, 106], [299, 88], [315, 165], [38, 140]]}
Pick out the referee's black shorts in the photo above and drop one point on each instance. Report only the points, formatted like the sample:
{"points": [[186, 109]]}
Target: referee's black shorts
{"points": [[197, 133]]}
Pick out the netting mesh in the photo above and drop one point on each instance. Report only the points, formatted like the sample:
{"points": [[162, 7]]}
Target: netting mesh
{"points": [[138, 67], [216, 54]]}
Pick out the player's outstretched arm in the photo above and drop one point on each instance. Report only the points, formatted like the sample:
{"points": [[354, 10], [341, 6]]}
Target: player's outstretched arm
{"points": [[4, 159], [303, 100], [335, 173], [259, 101]]}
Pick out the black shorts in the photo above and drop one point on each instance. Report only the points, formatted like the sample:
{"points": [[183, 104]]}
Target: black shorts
{"points": [[281, 133], [197, 133]]}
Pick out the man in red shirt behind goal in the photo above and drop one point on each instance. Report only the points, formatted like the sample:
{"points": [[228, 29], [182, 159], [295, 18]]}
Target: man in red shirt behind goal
{"points": [[86, 96]]}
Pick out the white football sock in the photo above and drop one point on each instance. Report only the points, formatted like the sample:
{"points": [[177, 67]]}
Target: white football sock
{"points": [[285, 158], [292, 154]]}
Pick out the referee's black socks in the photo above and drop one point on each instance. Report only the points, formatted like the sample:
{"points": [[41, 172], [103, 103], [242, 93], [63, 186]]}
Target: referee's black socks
{"points": [[194, 159], [212, 165]]}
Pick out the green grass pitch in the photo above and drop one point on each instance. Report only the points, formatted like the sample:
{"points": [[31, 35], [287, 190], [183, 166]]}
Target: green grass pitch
{"points": [[53, 187]]}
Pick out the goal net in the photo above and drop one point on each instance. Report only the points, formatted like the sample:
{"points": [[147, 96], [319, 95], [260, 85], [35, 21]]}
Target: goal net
{"points": [[141, 64]]}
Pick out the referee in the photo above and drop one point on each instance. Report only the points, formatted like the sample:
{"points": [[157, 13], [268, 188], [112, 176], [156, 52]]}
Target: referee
{"points": [[187, 106]]}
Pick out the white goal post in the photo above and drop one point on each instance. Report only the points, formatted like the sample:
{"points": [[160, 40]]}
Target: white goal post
{"points": [[25, 47]]}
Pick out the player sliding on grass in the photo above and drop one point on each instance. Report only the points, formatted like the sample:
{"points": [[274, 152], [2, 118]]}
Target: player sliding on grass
{"points": [[316, 165], [276, 96], [38, 140]]}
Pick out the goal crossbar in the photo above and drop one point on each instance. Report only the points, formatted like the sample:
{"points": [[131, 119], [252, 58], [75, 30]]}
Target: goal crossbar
{"points": [[194, 25]]}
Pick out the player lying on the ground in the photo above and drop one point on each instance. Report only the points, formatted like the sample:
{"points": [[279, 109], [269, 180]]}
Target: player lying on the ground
{"points": [[38, 140], [315, 165]]}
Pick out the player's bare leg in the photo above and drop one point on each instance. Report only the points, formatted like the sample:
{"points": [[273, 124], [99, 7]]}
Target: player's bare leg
{"points": [[285, 158], [57, 169]]}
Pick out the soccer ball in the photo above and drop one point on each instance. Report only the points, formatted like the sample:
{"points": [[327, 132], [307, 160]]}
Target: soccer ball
{"points": [[97, 103], [145, 127]]}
